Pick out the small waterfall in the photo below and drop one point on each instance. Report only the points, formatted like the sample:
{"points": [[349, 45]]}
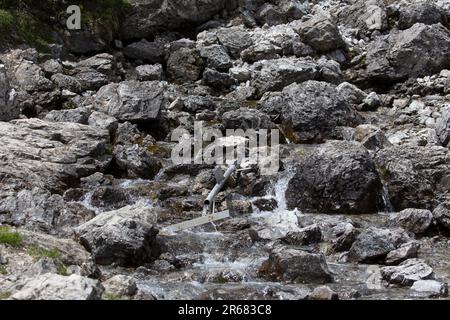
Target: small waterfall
{"points": [[280, 187], [387, 205], [87, 203]]}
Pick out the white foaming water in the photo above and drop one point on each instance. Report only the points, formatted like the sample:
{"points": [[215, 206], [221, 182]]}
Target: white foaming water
{"points": [[87, 203], [279, 189]]}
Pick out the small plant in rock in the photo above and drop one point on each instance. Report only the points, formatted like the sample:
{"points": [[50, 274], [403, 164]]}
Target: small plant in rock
{"points": [[40, 252], [5, 295], [9, 237], [3, 271], [111, 296]]}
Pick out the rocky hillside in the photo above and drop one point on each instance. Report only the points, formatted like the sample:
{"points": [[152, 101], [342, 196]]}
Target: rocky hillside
{"points": [[360, 91]]}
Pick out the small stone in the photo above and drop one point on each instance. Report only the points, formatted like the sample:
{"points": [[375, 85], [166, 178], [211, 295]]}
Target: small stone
{"points": [[429, 289], [406, 251], [120, 285], [323, 293]]}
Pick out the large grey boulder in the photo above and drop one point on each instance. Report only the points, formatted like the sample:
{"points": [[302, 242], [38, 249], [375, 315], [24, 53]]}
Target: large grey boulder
{"points": [[314, 110], [245, 118], [38, 209], [185, 64], [8, 106], [55, 287], [426, 13], [294, 265], [443, 127], [336, 177], [408, 272], [216, 57], [50, 155], [136, 162], [416, 221], [132, 100], [373, 244], [418, 51], [282, 11], [234, 39], [147, 17], [78, 115], [321, 33], [364, 15], [415, 177], [274, 75], [96, 71], [126, 236]]}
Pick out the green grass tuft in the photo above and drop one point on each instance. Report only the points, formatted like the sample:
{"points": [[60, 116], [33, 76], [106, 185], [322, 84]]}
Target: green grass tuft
{"points": [[3, 271], [40, 252], [111, 296], [11, 238]]}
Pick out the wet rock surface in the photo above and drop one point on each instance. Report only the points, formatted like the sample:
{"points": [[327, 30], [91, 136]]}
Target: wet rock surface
{"points": [[359, 208]]}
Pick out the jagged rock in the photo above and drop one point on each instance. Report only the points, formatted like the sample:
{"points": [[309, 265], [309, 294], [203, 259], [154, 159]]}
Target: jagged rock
{"points": [[281, 12], [78, 115], [102, 121], [197, 104], [51, 67], [442, 215], [426, 13], [185, 65], [136, 162], [8, 107], [125, 236], [374, 244], [23, 72], [321, 33], [109, 198], [38, 209], [246, 119], [372, 101], [418, 51], [96, 71], [308, 116], [323, 293], [149, 72], [405, 251], [144, 50], [416, 221], [56, 287], [364, 15], [261, 51], [408, 272], [415, 177], [274, 75], [343, 236], [66, 82], [218, 80], [145, 18], [429, 289], [120, 285], [216, 57], [443, 128], [49, 155], [351, 93], [305, 236], [293, 265], [337, 177], [234, 39], [371, 137], [132, 100]]}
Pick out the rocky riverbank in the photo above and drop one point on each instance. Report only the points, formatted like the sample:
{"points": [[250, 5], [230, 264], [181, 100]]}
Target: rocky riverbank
{"points": [[360, 209]]}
